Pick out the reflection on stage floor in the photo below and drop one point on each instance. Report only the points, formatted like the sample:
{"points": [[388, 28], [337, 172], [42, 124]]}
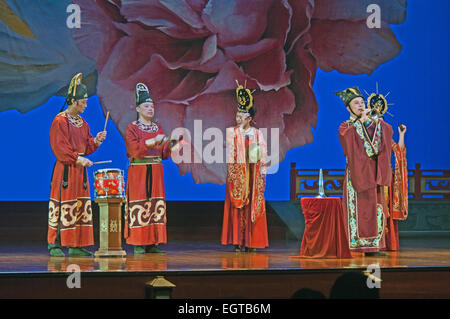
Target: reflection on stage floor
{"points": [[212, 257]]}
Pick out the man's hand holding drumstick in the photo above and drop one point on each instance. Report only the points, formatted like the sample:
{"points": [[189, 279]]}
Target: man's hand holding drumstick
{"points": [[83, 161], [101, 136]]}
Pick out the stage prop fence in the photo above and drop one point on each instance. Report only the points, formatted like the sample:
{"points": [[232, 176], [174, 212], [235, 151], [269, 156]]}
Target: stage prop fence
{"points": [[422, 184]]}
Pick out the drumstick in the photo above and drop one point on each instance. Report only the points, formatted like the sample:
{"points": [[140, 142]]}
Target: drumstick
{"points": [[106, 121], [102, 162]]}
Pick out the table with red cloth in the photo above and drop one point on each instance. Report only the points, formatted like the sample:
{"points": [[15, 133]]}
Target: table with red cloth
{"points": [[325, 235]]}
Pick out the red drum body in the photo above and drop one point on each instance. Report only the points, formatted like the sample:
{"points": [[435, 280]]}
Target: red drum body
{"points": [[109, 183]]}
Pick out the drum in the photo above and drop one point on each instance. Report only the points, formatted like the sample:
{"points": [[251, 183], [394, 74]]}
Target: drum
{"points": [[109, 183]]}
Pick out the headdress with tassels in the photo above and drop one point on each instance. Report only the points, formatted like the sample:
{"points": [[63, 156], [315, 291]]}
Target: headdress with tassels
{"points": [[76, 91], [245, 99]]}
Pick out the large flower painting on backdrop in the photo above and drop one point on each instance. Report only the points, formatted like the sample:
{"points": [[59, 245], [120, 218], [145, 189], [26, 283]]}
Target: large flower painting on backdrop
{"points": [[189, 53]]}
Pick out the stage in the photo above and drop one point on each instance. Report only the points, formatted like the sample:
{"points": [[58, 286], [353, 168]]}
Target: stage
{"points": [[322, 91], [206, 269]]}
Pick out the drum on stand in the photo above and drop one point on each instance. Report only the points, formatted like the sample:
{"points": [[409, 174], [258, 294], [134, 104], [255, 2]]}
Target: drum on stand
{"points": [[109, 195], [109, 183]]}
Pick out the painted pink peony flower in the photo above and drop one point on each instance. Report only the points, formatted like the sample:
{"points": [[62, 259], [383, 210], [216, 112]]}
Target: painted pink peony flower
{"points": [[190, 52]]}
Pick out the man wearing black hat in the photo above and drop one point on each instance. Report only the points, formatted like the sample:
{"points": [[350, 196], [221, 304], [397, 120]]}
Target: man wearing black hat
{"points": [[147, 145], [70, 213], [366, 143]]}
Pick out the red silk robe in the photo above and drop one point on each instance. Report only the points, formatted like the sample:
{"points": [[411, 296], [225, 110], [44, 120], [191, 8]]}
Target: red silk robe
{"points": [[244, 219], [145, 217], [70, 212], [368, 152]]}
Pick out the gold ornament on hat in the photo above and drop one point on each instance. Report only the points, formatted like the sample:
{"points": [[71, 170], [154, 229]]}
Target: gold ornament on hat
{"points": [[353, 91], [244, 97], [141, 87], [76, 80]]}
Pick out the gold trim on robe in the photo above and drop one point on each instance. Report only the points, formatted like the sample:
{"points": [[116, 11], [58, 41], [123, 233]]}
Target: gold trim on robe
{"points": [[238, 172]]}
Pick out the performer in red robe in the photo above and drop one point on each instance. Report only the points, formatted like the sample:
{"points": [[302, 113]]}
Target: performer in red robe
{"points": [[70, 213], [147, 145], [244, 220], [367, 145]]}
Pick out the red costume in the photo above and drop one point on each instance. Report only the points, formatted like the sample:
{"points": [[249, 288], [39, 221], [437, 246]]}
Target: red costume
{"points": [[367, 148], [70, 212], [244, 220], [145, 217], [372, 199]]}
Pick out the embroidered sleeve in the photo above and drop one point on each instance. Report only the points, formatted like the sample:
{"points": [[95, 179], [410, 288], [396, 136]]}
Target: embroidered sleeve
{"points": [[400, 184]]}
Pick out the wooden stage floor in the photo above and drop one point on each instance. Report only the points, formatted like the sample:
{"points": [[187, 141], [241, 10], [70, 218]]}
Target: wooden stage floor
{"points": [[201, 256], [209, 270]]}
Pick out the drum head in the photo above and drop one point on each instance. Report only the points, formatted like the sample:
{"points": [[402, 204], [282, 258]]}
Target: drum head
{"points": [[108, 170]]}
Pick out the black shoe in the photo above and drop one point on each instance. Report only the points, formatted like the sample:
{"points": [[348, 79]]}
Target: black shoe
{"points": [[237, 248], [250, 250]]}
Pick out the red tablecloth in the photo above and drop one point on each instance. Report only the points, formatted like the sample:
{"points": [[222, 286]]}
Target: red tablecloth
{"points": [[325, 235]]}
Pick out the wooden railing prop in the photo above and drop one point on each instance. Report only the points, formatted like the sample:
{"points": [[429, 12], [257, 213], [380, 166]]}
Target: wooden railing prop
{"points": [[422, 184]]}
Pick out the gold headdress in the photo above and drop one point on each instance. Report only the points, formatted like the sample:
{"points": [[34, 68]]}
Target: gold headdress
{"points": [[245, 99]]}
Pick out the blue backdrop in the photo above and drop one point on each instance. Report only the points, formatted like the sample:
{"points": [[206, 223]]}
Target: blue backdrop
{"points": [[418, 80]]}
